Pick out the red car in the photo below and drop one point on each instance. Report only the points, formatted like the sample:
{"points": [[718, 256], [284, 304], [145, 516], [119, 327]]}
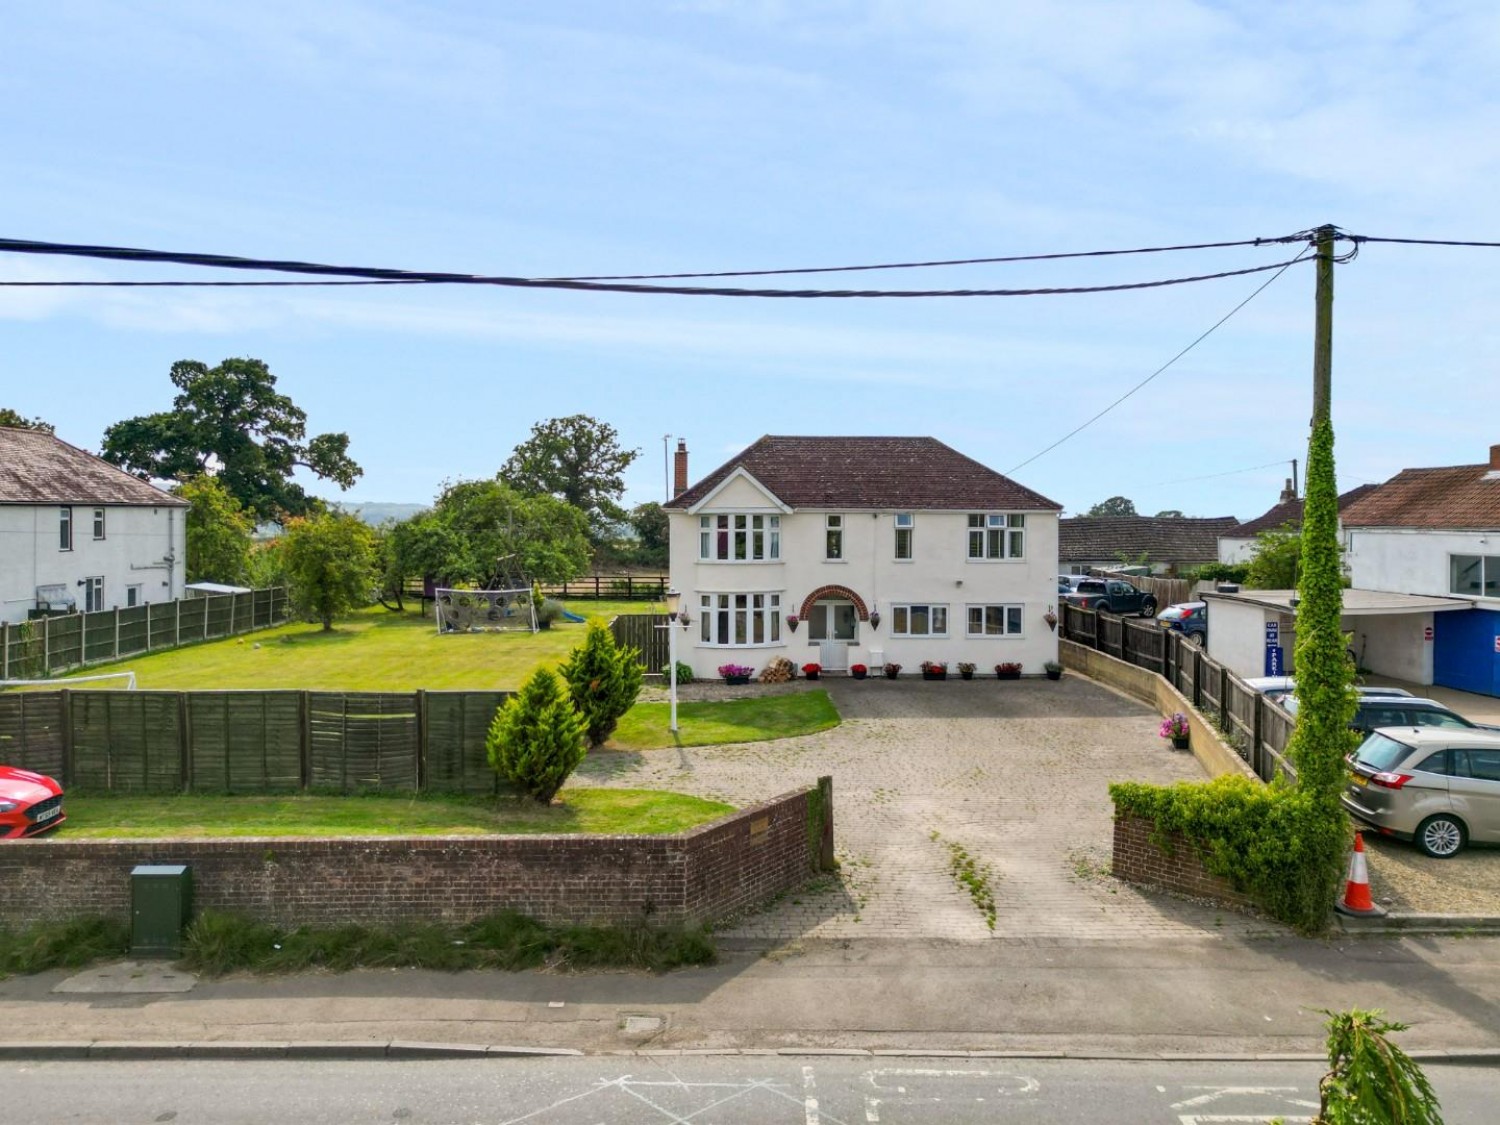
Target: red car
{"points": [[30, 803]]}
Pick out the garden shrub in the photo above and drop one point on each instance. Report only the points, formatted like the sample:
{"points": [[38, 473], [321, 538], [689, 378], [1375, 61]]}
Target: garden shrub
{"points": [[1282, 847], [537, 737], [604, 680]]}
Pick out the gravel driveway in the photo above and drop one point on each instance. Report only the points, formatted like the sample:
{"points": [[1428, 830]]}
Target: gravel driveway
{"points": [[1014, 774]]}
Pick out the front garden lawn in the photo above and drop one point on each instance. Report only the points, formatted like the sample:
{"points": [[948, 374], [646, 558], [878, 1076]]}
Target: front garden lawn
{"points": [[372, 650], [634, 812], [644, 726]]}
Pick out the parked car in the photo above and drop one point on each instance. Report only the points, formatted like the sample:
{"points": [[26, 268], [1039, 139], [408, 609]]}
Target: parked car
{"points": [[1111, 595], [1277, 688], [1068, 583], [1438, 787], [1376, 711], [30, 803], [1188, 618]]}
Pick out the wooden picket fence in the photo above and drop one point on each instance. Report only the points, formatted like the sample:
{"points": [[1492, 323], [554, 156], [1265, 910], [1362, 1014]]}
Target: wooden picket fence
{"points": [[252, 741]]}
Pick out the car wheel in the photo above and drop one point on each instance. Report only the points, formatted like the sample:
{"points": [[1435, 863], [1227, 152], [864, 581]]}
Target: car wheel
{"points": [[1441, 836], [1196, 639], [1148, 606]]}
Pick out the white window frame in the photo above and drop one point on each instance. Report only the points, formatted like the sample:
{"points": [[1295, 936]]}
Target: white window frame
{"points": [[1008, 613], [907, 522], [726, 617], [133, 596], [904, 613], [833, 537], [99, 523], [996, 536], [740, 535], [65, 528], [93, 593]]}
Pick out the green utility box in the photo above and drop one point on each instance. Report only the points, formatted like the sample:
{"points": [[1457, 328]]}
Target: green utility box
{"points": [[161, 902]]}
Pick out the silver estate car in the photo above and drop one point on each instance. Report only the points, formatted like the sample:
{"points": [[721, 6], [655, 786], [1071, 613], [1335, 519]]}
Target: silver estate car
{"points": [[1436, 786]]}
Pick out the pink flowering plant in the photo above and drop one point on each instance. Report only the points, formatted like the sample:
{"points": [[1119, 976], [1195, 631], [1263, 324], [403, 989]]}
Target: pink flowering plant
{"points": [[1174, 725], [727, 670]]}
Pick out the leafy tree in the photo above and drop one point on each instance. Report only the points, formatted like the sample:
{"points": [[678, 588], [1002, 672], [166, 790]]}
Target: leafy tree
{"points": [[1114, 506], [577, 459], [1371, 1081], [604, 680], [330, 565], [543, 537], [9, 417], [1274, 559], [651, 528], [1170, 514], [218, 532], [537, 738], [230, 418]]}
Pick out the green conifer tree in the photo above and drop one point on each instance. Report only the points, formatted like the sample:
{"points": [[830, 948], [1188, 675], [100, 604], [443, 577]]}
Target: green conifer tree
{"points": [[604, 680], [537, 739]]}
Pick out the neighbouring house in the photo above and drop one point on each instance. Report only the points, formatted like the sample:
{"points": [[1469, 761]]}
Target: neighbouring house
{"points": [[862, 550], [1164, 545], [76, 533], [1436, 532], [1238, 544]]}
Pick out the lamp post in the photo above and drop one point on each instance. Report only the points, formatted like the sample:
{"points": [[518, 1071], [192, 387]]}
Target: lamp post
{"points": [[674, 602]]}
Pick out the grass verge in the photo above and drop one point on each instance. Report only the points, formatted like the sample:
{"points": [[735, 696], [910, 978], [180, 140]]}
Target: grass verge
{"points": [[631, 812], [644, 726], [62, 945]]}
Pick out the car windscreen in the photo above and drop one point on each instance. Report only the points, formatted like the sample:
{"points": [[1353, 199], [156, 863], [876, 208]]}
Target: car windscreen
{"points": [[1175, 613], [1380, 752]]}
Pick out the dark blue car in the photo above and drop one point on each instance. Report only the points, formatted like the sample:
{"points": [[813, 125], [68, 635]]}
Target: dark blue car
{"points": [[1189, 618]]}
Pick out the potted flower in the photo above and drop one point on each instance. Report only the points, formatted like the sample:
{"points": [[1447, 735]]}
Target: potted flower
{"points": [[1053, 670], [934, 670], [792, 620], [811, 670], [736, 673], [859, 671], [892, 671], [1008, 671], [1175, 726], [966, 671]]}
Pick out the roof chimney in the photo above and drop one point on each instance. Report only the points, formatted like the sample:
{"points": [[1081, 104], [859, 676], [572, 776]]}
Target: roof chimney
{"points": [[1495, 458], [679, 469], [1288, 492]]}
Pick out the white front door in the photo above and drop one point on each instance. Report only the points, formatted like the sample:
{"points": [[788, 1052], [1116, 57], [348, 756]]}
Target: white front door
{"points": [[833, 627]]}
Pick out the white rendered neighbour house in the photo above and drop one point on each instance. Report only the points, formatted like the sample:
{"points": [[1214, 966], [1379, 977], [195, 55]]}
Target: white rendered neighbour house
{"points": [[862, 550], [78, 533]]}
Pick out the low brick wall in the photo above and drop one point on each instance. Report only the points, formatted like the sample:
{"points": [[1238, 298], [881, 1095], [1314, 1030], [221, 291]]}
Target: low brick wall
{"points": [[1138, 860], [708, 873]]}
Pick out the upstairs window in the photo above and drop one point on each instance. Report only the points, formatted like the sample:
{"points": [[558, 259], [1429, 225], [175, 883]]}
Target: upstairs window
{"points": [[997, 535], [65, 529], [739, 537], [833, 537], [905, 527], [1476, 576], [98, 523]]}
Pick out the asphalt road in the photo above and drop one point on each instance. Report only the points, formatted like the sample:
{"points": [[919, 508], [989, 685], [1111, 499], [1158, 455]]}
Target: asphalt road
{"points": [[622, 1090]]}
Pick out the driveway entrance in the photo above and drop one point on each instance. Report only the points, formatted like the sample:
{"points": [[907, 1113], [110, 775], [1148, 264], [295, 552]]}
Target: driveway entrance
{"points": [[1011, 776]]}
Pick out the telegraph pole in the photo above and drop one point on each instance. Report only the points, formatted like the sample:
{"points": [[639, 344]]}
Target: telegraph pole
{"points": [[1323, 326]]}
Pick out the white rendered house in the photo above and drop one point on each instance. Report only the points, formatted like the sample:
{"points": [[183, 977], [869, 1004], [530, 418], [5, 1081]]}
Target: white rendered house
{"points": [[862, 550], [78, 533]]}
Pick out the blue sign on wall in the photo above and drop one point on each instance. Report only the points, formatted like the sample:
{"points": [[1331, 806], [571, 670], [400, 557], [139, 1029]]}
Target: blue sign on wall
{"points": [[1273, 649]]}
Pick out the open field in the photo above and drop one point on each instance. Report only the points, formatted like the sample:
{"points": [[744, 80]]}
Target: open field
{"points": [[634, 812], [644, 726], [373, 650]]}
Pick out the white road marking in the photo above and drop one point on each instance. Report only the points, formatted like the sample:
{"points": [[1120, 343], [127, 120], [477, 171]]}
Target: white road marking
{"points": [[1217, 1092], [809, 1103]]}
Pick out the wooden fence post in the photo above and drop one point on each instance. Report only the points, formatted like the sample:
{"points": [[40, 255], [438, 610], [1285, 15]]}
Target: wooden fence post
{"points": [[66, 705], [47, 646], [421, 739], [4, 650], [185, 744], [304, 741]]}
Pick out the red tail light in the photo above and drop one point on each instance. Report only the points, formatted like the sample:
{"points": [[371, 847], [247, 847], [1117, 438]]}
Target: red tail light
{"points": [[1391, 780]]}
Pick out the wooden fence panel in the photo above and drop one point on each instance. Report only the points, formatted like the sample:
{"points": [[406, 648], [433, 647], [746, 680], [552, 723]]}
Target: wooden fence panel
{"points": [[64, 642], [456, 723], [362, 740], [126, 741], [641, 631], [31, 731], [1146, 644], [244, 741], [1111, 632], [133, 631]]}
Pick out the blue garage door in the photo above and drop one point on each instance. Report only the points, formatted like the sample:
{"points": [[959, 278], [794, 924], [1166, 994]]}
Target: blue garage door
{"points": [[1464, 653]]}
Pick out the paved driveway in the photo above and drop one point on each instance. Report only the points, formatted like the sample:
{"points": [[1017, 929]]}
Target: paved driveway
{"points": [[1013, 773]]}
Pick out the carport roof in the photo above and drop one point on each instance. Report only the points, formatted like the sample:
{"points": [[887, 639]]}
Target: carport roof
{"points": [[1357, 603]]}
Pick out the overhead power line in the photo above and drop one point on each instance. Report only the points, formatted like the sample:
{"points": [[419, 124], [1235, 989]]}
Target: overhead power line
{"points": [[1304, 256], [222, 261], [1215, 476], [1416, 241]]}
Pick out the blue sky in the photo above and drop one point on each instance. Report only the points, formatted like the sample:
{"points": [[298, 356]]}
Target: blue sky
{"points": [[602, 138]]}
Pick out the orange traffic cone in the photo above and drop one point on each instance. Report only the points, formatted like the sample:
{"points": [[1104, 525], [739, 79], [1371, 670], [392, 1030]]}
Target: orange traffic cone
{"points": [[1357, 900]]}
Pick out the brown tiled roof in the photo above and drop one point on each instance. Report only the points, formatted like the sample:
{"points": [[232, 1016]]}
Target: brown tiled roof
{"points": [[920, 473], [1290, 512], [1163, 539], [38, 468], [1460, 496]]}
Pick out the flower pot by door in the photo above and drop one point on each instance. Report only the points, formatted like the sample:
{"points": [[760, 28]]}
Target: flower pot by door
{"points": [[811, 675], [1054, 674], [1179, 742], [858, 675]]}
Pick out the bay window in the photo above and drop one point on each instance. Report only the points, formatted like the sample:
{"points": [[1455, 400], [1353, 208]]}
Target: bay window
{"points": [[739, 620]]}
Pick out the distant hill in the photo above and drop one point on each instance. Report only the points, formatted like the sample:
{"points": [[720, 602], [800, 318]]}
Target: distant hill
{"points": [[377, 514]]}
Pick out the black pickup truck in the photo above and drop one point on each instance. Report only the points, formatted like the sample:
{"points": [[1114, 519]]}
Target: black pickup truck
{"points": [[1110, 595]]}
